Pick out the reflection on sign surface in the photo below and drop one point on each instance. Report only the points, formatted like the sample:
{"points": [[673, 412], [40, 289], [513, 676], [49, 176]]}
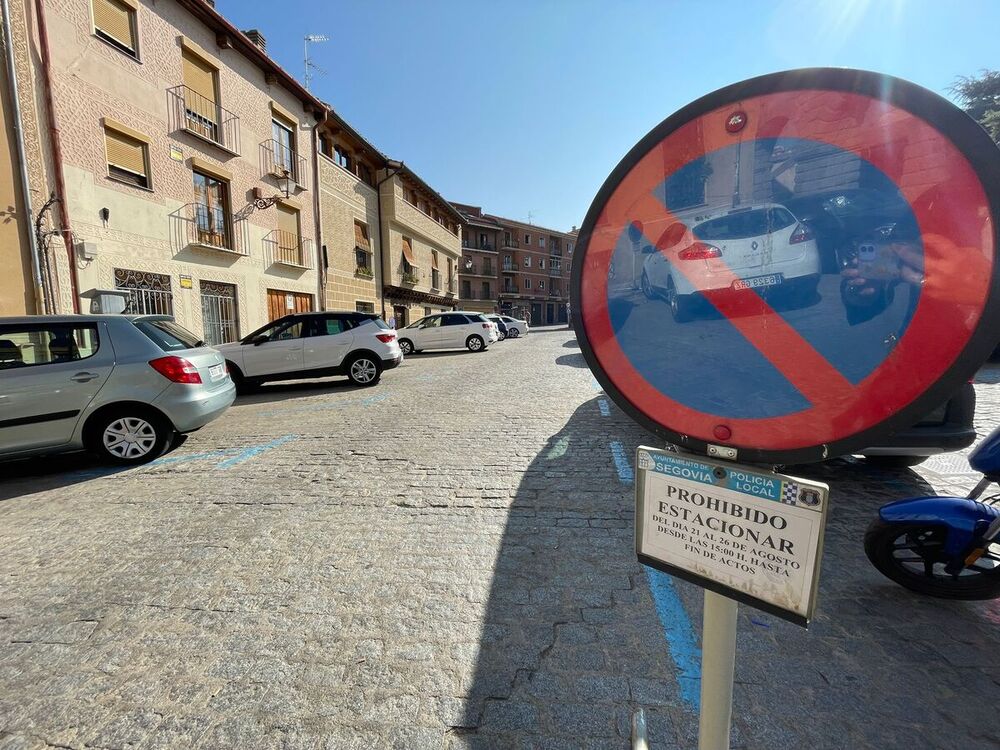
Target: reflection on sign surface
{"points": [[791, 282]]}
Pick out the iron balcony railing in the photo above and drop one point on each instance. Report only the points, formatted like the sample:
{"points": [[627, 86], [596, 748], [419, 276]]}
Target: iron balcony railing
{"points": [[471, 245], [555, 271], [197, 114], [487, 269], [288, 249], [277, 159], [212, 227], [509, 268], [555, 293], [509, 242]]}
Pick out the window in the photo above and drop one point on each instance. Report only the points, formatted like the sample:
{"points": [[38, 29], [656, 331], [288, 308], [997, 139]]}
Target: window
{"points": [[527, 261], [362, 247], [486, 291], [527, 283], [201, 96], [466, 289], [115, 23], [431, 322], [454, 319], [541, 263], [427, 311], [365, 173], [341, 156], [366, 307], [167, 335], [409, 264], [507, 239], [283, 135], [541, 283], [331, 325], [435, 273], [527, 238], [128, 158], [44, 344], [569, 247], [286, 239], [149, 293], [218, 313], [541, 242], [211, 215], [284, 330]]}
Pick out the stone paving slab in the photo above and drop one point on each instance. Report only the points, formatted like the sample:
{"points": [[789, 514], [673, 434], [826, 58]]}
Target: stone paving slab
{"points": [[327, 567]]}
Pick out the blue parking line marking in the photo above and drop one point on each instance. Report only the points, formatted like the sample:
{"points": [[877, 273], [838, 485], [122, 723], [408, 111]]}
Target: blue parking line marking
{"points": [[602, 404], [326, 407], [190, 457], [254, 451], [624, 469], [681, 643]]}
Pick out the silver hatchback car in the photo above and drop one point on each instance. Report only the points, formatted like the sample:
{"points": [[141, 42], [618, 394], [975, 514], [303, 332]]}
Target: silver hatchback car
{"points": [[121, 386]]}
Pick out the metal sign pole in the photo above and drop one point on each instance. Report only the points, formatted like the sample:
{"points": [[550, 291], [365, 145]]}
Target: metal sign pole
{"points": [[718, 661]]}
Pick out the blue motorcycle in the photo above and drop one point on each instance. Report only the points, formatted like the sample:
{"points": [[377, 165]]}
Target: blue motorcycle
{"points": [[948, 547]]}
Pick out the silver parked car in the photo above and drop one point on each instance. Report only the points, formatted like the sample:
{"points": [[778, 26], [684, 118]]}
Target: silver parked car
{"points": [[121, 386]]}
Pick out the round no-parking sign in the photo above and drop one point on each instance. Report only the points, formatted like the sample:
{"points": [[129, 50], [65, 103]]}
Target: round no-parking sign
{"points": [[794, 266]]}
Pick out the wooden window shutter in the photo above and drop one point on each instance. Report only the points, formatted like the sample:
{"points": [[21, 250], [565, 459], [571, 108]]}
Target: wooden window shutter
{"points": [[361, 236], [288, 219], [408, 251], [199, 76], [434, 260], [114, 19], [125, 152]]}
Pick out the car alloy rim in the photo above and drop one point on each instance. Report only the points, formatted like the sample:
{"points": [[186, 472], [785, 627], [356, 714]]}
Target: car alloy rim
{"points": [[129, 437], [363, 370], [475, 344], [405, 346]]}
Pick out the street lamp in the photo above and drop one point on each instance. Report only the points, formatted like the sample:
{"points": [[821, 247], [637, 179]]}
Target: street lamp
{"points": [[286, 183]]}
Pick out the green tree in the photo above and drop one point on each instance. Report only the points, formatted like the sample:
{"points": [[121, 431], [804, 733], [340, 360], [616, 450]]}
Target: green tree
{"points": [[980, 97]]}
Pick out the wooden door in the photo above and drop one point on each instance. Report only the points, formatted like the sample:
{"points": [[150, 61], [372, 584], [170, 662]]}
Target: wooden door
{"points": [[281, 303]]}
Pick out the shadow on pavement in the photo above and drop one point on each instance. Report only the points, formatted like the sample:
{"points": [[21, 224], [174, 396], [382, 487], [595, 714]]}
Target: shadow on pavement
{"points": [[291, 389], [571, 344], [27, 476], [572, 644], [571, 360]]}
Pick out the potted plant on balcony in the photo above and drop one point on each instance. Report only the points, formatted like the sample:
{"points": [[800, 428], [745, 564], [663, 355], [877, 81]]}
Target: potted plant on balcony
{"points": [[410, 277], [364, 271]]}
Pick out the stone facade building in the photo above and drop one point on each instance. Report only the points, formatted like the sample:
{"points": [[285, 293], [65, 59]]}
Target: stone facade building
{"points": [[421, 247], [157, 125]]}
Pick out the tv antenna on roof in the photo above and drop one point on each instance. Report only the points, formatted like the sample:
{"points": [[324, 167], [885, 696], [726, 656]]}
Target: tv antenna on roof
{"points": [[310, 66]]}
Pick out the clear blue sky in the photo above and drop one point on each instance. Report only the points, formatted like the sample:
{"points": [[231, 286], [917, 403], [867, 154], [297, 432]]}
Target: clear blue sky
{"points": [[526, 105]]}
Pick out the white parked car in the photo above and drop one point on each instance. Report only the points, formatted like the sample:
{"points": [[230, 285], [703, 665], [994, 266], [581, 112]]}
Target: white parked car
{"points": [[763, 245], [450, 330], [515, 327], [314, 345]]}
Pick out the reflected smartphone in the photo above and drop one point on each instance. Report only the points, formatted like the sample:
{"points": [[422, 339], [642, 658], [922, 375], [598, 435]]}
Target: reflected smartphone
{"points": [[877, 261]]}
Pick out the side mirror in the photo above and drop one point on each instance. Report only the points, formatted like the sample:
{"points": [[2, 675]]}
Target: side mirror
{"points": [[261, 339]]}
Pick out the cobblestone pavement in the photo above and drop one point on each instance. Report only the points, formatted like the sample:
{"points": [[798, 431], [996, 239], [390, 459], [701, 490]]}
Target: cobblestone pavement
{"points": [[340, 568]]}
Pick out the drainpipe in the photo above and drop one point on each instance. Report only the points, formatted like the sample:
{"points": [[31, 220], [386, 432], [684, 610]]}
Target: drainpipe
{"points": [[56, 140], [36, 266], [398, 167], [321, 248]]}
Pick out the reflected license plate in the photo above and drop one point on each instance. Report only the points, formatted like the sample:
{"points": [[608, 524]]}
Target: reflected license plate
{"points": [[772, 279], [217, 372]]}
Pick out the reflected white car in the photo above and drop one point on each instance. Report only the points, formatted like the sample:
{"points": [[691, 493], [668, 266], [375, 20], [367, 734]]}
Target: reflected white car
{"points": [[515, 326], [452, 330], [763, 246]]}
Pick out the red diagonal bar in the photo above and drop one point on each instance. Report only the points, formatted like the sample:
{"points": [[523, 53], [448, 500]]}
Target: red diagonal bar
{"points": [[794, 357]]}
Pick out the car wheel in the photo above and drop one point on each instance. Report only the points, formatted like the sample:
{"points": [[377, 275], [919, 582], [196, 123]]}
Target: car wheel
{"points": [[501, 336], [406, 346], [513, 333], [243, 386], [129, 435], [475, 344], [364, 370], [681, 306], [647, 288], [894, 462]]}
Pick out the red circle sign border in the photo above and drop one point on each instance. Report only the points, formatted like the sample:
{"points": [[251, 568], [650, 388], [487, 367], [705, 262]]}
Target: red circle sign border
{"points": [[908, 383]]}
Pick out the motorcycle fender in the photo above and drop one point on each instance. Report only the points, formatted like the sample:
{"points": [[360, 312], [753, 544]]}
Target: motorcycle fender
{"points": [[964, 518]]}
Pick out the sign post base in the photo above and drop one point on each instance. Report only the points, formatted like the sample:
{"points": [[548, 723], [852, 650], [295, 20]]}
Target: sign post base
{"points": [[718, 661]]}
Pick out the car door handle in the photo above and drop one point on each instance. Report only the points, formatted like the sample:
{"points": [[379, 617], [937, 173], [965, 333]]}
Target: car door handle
{"points": [[83, 377]]}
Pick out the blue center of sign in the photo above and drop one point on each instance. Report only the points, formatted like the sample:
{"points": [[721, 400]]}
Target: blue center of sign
{"points": [[824, 236]]}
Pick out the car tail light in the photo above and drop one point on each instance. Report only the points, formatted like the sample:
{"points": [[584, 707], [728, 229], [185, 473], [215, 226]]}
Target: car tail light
{"points": [[700, 251], [802, 233], [385, 338], [176, 369], [486, 325]]}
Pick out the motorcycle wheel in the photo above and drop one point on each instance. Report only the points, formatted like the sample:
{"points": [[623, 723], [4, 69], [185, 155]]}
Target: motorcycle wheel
{"points": [[912, 555]]}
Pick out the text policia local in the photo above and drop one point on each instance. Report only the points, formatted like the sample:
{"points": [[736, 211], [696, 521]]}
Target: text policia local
{"points": [[762, 536]]}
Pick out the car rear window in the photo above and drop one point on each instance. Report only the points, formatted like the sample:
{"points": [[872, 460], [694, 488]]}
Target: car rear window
{"points": [[167, 335], [744, 224]]}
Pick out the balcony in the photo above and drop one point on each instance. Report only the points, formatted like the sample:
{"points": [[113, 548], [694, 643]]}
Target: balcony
{"points": [[211, 228], [555, 292], [511, 242], [287, 249], [203, 118], [509, 268], [555, 271], [470, 245], [409, 277], [486, 269], [277, 159]]}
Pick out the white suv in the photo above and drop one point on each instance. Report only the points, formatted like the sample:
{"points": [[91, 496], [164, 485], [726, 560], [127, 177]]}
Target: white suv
{"points": [[515, 326], [450, 330], [314, 345]]}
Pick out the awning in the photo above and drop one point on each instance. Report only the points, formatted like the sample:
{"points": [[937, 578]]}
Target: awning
{"points": [[361, 236], [408, 252], [434, 261]]}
